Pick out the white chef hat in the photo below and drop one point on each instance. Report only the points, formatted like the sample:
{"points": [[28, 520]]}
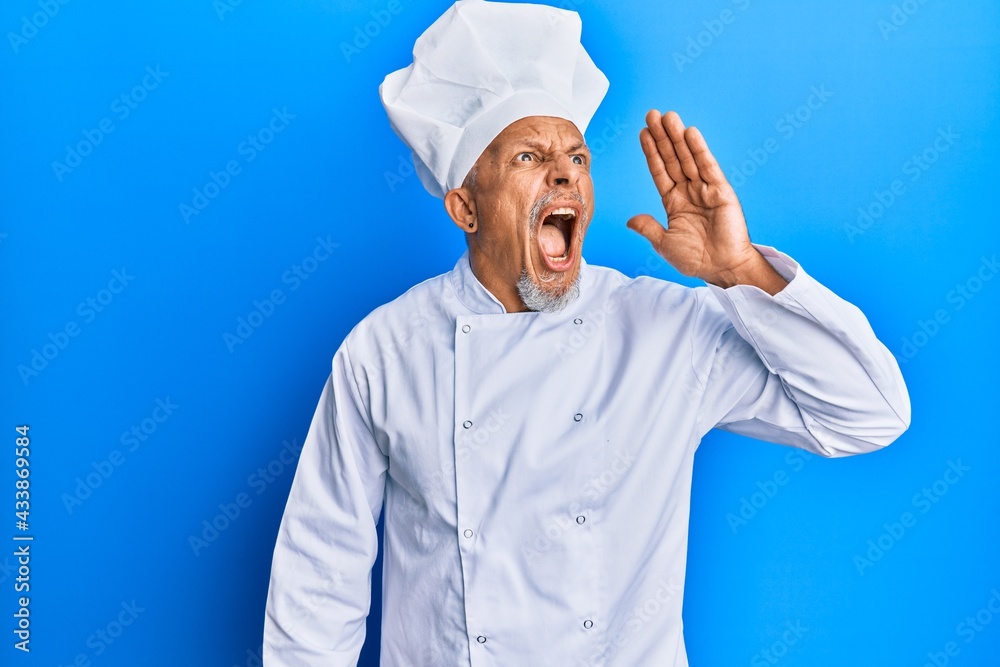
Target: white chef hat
{"points": [[477, 69]]}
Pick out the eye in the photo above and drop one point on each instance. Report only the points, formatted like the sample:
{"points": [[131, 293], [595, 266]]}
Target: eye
{"points": [[525, 157], [578, 159]]}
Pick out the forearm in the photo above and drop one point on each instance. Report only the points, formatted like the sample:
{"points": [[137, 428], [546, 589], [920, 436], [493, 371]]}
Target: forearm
{"points": [[824, 359]]}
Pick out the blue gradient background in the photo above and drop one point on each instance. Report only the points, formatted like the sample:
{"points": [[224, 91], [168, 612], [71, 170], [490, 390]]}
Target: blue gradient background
{"points": [[337, 172]]}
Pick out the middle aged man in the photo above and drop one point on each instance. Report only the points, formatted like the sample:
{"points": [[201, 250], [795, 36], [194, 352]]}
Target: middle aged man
{"points": [[531, 420]]}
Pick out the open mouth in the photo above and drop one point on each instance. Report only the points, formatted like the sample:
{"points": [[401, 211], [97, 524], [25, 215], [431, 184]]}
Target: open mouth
{"points": [[555, 236]]}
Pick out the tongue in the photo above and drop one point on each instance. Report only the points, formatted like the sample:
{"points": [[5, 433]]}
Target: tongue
{"points": [[551, 239]]}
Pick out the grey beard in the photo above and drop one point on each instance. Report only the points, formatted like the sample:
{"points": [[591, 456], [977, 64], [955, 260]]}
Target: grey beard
{"points": [[540, 300], [534, 296]]}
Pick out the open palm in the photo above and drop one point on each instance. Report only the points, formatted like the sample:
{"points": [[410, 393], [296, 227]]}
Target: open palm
{"points": [[706, 234]]}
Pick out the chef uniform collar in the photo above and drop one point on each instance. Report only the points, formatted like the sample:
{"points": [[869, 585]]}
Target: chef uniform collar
{"points": [[474, 295]]}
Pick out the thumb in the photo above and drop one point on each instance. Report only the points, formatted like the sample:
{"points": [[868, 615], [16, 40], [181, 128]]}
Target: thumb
{"points": [[647, 226]]}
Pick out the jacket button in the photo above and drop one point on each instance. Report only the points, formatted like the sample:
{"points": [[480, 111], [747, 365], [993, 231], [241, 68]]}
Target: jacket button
{"points": [[466, 424], [468, 532], [581, 519], [466, 328], [588, 624], [481, 639], [577, 417], [578, 321]]}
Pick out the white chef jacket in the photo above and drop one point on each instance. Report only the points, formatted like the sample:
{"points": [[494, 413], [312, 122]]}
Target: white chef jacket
{"points": [[536, 467]]}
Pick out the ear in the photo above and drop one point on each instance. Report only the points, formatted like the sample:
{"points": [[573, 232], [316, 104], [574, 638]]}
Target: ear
{"points": [[461, 209]]}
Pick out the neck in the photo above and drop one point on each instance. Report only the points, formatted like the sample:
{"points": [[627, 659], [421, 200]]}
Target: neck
{"points": [[502, 287]]}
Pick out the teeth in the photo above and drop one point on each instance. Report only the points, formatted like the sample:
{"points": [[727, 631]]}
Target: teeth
{"points": [[565, 210]]}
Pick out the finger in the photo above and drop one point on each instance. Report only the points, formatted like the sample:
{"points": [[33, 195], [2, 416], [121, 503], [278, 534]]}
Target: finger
{"points": [[649, 227], [654, 161], [674, 127], [708, 166], [664, 146]]}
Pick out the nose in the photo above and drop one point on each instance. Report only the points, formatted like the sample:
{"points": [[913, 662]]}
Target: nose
{"points": [[563, 171]]}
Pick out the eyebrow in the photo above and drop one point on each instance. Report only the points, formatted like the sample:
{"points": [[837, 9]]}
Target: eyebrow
{"points": [[537, 146]]}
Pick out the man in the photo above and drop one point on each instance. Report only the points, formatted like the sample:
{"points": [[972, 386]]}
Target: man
{"points": [[530, 420]]}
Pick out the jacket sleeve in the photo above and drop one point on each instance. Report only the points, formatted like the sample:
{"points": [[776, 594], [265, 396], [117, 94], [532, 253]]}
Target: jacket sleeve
{"points": [[320, 588], [801, 368]]}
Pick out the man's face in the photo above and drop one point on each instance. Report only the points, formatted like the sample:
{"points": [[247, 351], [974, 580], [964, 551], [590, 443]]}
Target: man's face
{"points": [[534, 200]]}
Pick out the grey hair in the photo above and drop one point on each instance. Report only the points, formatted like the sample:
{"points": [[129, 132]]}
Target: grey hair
{"points": [[470, 178]]}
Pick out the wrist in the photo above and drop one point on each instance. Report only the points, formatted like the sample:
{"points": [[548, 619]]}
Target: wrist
{"points": [[754, 270]]}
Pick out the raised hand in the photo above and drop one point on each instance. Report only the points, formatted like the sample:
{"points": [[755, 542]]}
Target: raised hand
{"points": [[706, 234]]}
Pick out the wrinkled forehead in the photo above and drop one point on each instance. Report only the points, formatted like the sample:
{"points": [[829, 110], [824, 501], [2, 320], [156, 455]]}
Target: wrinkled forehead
{"points": [[542, 132]]}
